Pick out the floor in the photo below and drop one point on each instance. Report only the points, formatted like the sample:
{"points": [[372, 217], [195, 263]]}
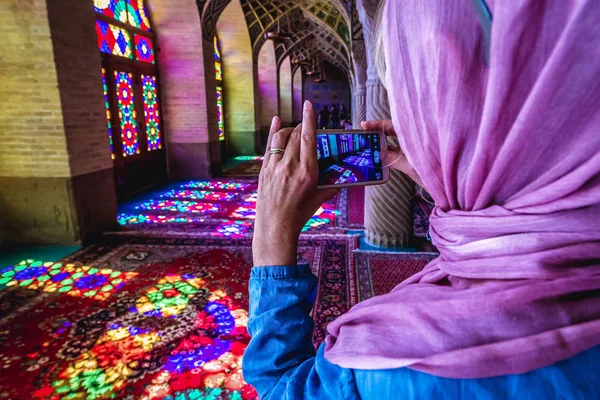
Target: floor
{"points": [[159, 308]]}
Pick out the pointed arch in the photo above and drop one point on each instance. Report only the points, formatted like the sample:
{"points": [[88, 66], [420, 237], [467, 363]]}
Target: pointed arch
{"points": [[285, 92], [239, 102], [267, 87]]}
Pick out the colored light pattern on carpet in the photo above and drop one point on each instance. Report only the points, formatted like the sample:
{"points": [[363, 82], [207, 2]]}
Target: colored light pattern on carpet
{"points": [[206, 363], [200, 195], [84, 281], [169, 297], [136, 219], [218, 185], [248, 158], [245, 211], [235, 229], [185, 206], [222, 208]]}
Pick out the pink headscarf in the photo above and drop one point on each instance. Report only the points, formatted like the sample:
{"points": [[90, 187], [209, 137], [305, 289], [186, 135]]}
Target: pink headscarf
{"points": [[511, 155]]}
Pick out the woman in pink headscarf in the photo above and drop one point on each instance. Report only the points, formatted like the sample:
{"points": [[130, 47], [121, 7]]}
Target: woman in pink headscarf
{"points": [[510, 151]]}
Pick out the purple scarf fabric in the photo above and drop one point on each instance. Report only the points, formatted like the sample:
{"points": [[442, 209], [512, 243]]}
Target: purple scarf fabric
{"points": [[511, 155]]}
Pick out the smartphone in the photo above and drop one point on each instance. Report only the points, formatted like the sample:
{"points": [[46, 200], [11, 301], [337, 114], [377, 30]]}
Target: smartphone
{"points": [[351, 158]]}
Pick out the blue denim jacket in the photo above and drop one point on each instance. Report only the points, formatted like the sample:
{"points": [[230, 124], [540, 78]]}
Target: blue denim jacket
{"points": [[281, 362]]}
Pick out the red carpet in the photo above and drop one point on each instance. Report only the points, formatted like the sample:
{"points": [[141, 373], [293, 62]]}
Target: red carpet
{"points": [[378, 272], [356, 207], [145, 318]]}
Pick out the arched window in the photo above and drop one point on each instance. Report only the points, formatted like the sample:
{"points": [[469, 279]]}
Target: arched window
{"points": [[130, 78], [219, 77], [127, 44]]}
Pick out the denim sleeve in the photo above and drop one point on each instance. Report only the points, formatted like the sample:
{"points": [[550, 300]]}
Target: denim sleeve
{"points": [[280, 361]]}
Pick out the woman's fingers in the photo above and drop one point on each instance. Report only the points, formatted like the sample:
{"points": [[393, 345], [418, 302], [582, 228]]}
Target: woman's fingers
{"points": [[275, 126], [279, 141], [308, 147], [292, 151], [384, 125]]}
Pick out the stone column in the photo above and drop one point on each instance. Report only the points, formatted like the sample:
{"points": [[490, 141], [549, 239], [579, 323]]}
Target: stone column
{"points": [[388, 209], [359, 61]]}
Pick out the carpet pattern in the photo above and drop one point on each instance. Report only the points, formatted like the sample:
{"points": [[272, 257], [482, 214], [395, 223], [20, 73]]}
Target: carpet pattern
{"points": [[377, 273], [146, 317], [217, 208], [356, 207]]}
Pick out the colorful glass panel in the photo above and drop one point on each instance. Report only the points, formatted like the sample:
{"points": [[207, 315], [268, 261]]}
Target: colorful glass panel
{"points": [[218, 71], [138, 14], [151, 113], [219, 78], [69, 279], [144, 49], [217, 51], [116, 9], [220, 116], [113, 40], [107, 107], [127, 113]]}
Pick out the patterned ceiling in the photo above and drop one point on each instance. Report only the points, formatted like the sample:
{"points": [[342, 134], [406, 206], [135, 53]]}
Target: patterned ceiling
{"points": [[318, 29]]}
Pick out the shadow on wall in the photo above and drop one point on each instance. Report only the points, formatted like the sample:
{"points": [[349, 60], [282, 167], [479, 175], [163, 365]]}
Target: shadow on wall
{"points": [[333, 92]]}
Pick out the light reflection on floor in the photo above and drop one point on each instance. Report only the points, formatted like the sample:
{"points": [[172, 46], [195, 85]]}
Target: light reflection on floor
{"points": [[220, 207], [205, 364]]}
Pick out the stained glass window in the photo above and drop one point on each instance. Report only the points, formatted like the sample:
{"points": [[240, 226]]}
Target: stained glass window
{"points": [[132, 12], [151, 112], [127, 113], [113, 40], [219, 77], [116, 9], [123, 29], [144, 49], [220, 117], [138, 14], [107, 106]]}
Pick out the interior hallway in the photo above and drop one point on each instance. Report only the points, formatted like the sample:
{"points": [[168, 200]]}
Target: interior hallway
{"points": [[132, 134]]}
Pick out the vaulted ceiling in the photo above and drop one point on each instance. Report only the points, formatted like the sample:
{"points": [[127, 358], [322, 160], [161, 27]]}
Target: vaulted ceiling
{"points": [[320, 30]]}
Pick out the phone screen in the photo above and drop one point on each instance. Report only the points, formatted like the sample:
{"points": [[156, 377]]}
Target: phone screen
{"points": [[349, 158]]}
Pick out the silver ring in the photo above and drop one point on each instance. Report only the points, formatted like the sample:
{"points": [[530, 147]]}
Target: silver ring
{"points": [[277, 150]]}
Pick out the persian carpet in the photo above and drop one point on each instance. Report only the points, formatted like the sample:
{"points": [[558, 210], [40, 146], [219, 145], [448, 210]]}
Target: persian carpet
{"points": [[216, 208], [146, 318], [378, 273], [356, 207]]}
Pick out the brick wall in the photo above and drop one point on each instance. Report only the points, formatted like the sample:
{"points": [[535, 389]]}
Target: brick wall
{"points": [[79, 74], [32, 136], [181, 63], [267, 85], [239, 90], [56, 177], [285, 92]]}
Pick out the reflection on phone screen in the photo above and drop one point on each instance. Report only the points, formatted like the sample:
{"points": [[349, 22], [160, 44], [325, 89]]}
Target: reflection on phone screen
{"points": [[349, 158]]}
